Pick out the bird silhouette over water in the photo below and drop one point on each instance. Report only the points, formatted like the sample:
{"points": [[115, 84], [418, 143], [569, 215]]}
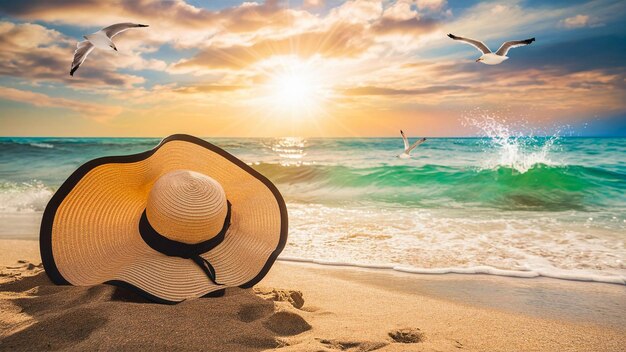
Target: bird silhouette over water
{"points": [[407, 147]]}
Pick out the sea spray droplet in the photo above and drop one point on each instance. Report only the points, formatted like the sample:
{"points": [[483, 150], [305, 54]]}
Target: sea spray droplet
{"points": [[511, 148]]}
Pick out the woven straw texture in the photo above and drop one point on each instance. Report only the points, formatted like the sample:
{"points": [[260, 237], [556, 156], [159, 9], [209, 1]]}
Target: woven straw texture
{"points": [[95, 236], [187, 206]]}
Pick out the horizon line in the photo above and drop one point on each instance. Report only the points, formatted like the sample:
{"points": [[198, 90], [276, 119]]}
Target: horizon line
{"points": [[315, 137]]}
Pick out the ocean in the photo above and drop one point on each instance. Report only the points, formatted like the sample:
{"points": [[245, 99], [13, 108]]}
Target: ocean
{"points": [[501, 205]]}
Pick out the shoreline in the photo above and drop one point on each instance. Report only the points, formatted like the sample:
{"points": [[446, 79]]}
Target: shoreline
{"points": [[476, 270], [486, 271], [26, 231], [308, 307]]}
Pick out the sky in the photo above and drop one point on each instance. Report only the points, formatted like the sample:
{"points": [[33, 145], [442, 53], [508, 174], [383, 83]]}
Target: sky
{"points": [[311, 68]]}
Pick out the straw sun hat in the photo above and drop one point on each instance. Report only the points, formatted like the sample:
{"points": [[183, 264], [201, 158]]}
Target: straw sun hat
{"points": [[182, 220]]}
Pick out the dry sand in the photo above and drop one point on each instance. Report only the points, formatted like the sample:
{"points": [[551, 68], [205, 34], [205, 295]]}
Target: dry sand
{"points": [[301, 307]]}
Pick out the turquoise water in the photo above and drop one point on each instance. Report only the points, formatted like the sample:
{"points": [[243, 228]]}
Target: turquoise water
{"points": [[504, 205], [575, 174]]}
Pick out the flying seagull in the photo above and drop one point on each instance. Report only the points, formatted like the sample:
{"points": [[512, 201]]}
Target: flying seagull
{"points": [[101, 40], [408, 148], [488, 57]]}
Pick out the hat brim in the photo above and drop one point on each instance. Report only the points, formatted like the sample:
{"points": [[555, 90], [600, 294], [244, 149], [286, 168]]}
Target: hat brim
{"points": [[89, 232]]}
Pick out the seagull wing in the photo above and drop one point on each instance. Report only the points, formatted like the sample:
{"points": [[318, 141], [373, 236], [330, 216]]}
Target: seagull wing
{"points": [[475, 43], [416, 144], [82, 50], [406, 141], [504, 49], [115, 29]]}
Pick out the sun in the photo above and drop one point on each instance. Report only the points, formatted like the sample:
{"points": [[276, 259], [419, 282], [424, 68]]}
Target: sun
{"points": [[292, 94], [295, 89]]}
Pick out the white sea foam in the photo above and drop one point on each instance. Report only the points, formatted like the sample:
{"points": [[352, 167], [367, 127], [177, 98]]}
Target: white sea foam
{"points": [[440, 241], [41, 145], [485, 270], [24, 197], [511, 147]]}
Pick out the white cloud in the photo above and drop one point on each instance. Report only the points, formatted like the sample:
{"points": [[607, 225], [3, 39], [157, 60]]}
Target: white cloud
{"points": [[401, 11], [91, 111], [433, 5], [577, 21], [313, 3], [356, 11], [498, 8]]}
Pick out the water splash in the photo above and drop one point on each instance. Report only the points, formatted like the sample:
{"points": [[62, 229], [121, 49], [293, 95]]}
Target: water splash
{"points": [[24, 197], [510, 147]]}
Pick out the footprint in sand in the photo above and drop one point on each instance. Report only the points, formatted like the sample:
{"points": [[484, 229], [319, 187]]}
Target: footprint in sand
{"points": [[279, 295], [286, 323], [407, 335], [25, 268], [283, 322], [25, 264], [251, 312], [352, 346], [264, 342]]}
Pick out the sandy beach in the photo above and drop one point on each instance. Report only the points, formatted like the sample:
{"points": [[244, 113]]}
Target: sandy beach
{"points": [[302, 307]]}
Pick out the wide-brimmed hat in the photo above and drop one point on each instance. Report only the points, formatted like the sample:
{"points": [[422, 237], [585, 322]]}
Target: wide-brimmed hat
{"points": [[182, 220]]}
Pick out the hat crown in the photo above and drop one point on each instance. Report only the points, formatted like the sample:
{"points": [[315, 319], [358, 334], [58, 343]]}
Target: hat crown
{"points": [[187, 206]]}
